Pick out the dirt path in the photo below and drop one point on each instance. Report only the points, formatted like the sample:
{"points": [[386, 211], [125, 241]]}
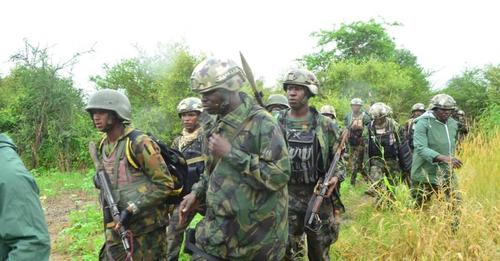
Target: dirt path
{"points": [[57, 210]]}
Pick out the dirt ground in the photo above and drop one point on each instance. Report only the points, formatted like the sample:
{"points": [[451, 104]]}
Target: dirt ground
{"points": [[56, 214]]}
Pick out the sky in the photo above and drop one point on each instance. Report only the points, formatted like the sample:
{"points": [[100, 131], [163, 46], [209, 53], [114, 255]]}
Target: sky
{"points": [[446, 36]]}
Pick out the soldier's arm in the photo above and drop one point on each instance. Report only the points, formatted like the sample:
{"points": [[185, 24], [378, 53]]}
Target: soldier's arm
{"points": [[200, 187], [270, 168], [420, 142], [148, 155]]}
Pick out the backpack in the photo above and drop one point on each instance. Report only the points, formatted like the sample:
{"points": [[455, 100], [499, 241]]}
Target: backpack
{"points": [[176, 163]]}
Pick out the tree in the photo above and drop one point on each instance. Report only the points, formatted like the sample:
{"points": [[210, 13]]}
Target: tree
{"points": [[44, 109]]}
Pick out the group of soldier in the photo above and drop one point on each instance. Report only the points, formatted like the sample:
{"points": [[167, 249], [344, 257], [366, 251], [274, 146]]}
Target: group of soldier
{"points": [[254, 170]]}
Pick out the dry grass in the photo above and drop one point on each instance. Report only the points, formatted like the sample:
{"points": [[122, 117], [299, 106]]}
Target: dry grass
{"points": [[403, 233]]}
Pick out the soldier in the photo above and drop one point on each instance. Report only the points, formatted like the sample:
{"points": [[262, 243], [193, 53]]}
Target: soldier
{"points": [[407, 131], [311, 138], [244, 184], [276, 102], [434, 157], [140, 186], [383, 146], [189, 143], [23, 231], [463, 125], [356, 122], [329, 111]]}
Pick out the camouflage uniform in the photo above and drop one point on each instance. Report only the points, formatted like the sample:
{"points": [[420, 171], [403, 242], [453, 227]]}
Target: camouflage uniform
{"points": [[310, 146], [329, 111], [143, 189], [463, 125], [356, 145], [409, 127], [383, 144], [190, 145], [246, 190]]}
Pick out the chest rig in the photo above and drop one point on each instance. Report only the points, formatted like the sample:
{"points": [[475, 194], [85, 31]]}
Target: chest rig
{"points": [[382, 141]]}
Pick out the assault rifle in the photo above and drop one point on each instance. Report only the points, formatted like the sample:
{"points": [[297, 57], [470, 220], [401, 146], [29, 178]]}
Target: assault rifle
{"points": [[110, 204], [312, 219]]}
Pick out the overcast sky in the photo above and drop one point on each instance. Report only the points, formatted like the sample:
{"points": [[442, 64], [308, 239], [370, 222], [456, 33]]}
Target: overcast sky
{"points": [[446, 36]]}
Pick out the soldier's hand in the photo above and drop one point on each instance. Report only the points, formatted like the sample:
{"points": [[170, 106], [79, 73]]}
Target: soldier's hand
{"points": [[218, 145], [331, 185], [187, 206]]}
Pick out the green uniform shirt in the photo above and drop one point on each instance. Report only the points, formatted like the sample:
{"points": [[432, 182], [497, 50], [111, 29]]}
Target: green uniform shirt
{"points": [[23, 231], [245, 191], [431, 139]]}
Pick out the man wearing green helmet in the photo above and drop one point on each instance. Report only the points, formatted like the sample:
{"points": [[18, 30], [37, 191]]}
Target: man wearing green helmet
{"points": [[276, 102], [356, 122], [244, 185], [311, 138], [407, 131], [329, 111], [189, 144], [383, 145], [463, 124], [140, 191], [434, 157]]}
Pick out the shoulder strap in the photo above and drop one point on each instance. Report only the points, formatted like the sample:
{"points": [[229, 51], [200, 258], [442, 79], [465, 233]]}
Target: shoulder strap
{"points": [[129, 149]]}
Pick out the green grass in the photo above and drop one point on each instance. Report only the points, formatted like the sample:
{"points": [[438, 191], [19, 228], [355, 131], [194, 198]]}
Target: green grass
{"points": [[53, 183]]}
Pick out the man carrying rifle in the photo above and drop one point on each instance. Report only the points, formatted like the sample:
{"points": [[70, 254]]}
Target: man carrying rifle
{"points": [[244, 184], [139, 191], [311, 139]]}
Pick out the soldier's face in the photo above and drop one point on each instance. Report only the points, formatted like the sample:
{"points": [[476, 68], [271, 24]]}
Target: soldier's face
{"points": [[297, 96], [276, 107], [190, 120], [442, 115], [355, 108], [212, 101], [102, 120], [417, 113]]}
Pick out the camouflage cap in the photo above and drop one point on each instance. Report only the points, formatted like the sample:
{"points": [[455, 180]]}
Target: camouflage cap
{"points": [[277, 99], [379, 110], [304, 78], [418, 107], [111, 100], [189, 104], [356, 101], [442, 101], [328, 109], [214, 73]]}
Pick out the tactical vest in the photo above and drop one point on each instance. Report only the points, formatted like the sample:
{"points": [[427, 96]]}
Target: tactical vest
{"points": [[129, 184], [382, 142], [196, 161], [303, 152]]}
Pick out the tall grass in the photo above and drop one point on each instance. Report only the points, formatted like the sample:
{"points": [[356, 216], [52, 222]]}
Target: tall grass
{"points": [[404, 233]]}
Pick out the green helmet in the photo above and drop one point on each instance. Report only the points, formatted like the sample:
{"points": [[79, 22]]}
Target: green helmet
{"points": [[328, 109], [356, 101], [304, 78], [189, 104], [461, 113], [277, 99], [379, 110], [111, 100], [418, 107], [442, 101], [213, 73]]}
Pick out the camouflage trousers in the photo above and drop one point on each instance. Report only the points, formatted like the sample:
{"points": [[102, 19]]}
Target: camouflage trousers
{"points": [[147, 246], [318, 243], [356, 156], [175, 233], [384, 174]]}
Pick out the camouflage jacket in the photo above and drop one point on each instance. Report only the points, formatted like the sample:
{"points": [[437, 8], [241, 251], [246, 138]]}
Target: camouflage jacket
{"points": [[144, 188], [245, 191]]}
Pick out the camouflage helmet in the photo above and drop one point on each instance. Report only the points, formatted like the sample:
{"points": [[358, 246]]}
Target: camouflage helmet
{"points": [[328, 109], [380, 110], [356, 101], [214, 73], [189, 104], [418, 107], [277, 99], [304, 78], [461, 113], [111, 100], [442, 101]]}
